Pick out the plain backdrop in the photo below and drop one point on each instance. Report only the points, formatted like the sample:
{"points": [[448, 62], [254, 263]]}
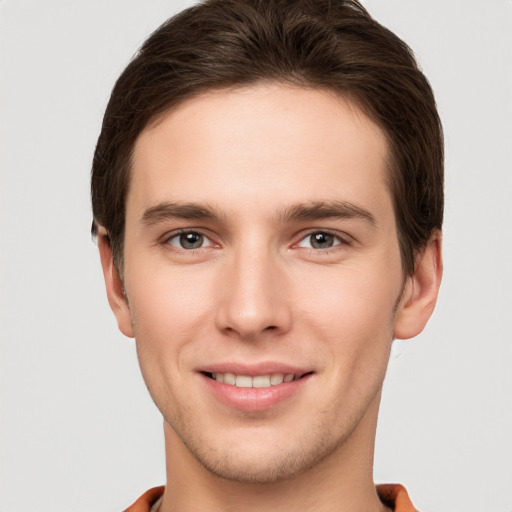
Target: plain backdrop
{"points": [[78, 430]]}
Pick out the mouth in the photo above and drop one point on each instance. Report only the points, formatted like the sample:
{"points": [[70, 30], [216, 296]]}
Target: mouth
{"points": [[255, 381], [257, 387]]}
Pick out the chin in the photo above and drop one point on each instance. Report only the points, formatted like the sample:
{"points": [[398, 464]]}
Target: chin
{"points": [[275, 469], [263, 462]]}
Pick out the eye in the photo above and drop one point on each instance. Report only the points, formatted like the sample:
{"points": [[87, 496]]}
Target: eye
{"points": [[320, 240], [189, 240]]}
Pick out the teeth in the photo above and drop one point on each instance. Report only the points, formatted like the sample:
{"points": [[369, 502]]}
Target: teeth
{"points": [[229, 378], [242, 381], [276, 378], [259, 381]]}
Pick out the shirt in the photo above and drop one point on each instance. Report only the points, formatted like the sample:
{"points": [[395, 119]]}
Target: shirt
{"points": [[393, 496]]}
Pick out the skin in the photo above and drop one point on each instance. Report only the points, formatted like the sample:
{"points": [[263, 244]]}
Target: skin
{"points": [[258, 289]]}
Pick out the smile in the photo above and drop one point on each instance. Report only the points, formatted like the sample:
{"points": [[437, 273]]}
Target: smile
{"points": [[257, 381], [253, 389]]}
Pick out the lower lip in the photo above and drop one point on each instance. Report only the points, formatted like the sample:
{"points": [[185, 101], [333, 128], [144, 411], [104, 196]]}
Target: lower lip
{"points": [[254, 399]]}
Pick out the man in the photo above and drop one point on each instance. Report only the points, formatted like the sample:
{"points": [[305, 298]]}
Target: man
{"points": [[267, 195]]}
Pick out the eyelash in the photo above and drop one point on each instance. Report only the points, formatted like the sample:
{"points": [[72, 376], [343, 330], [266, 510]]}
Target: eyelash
{"points": [[339, 240], [176, 234]]}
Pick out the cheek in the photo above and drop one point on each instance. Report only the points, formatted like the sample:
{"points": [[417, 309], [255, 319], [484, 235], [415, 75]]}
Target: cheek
{"points": [[352, 310], [168, 310], [168, 314], [350, 294]]}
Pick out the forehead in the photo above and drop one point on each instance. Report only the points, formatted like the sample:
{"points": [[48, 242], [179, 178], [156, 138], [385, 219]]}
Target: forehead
{"points": [[262, 146]]}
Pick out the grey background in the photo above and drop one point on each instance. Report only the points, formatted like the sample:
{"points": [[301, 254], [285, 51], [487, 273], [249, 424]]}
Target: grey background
{"points": [[77, 429]]}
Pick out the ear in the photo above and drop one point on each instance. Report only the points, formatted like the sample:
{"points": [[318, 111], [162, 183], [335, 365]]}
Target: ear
{"points": [[420, 291], [115, 288]]}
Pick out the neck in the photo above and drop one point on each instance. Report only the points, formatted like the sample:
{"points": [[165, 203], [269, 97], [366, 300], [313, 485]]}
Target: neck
{"points": [[341, 482]]}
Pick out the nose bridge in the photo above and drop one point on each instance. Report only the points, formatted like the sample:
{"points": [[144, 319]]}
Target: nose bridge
{"points": [[253, 297]]}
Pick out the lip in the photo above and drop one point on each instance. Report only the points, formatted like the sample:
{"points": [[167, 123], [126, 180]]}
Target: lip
{"points": [[254, 399], [252, 370]]}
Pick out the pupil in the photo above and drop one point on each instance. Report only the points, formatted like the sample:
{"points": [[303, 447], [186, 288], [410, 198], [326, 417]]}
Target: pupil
{"points": [[191, 240], [321, 240]]}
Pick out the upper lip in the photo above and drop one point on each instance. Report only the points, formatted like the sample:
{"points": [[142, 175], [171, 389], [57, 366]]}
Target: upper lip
{"points": [[252, 370]]}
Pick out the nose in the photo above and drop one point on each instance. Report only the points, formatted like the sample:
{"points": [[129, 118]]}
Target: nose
{"points": [[253, 299]]}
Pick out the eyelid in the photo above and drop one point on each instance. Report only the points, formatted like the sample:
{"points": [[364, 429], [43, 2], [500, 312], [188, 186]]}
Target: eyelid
{"points": [[165, 239], [342, 237]]}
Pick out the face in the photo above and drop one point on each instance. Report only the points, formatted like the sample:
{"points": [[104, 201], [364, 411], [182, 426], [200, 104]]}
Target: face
{"points": [[262, 276]]}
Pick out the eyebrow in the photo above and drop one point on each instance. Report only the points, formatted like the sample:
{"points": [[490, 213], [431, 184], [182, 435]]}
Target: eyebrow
{"points": [[300, 212], [326, 209], [167, 211]]}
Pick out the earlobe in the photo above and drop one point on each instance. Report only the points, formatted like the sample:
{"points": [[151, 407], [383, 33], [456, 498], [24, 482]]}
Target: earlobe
{"points": [[114, 285], [421, 290]]}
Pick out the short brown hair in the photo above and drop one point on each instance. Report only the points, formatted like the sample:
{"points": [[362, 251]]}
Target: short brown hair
{"points": [[327, 44]]}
